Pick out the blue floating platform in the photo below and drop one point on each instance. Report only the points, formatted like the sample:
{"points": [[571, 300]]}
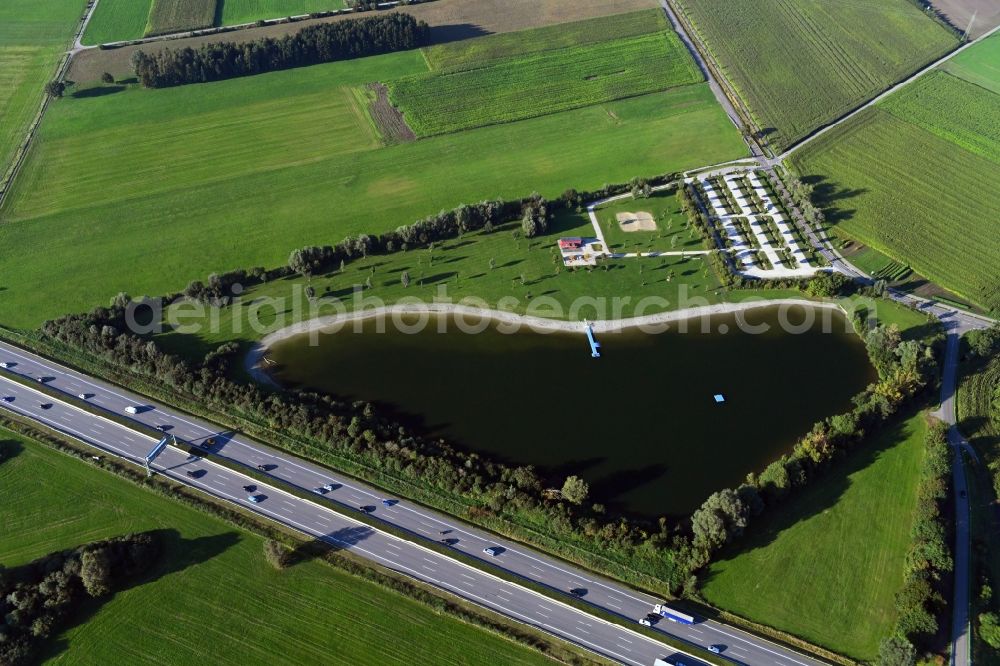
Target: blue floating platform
{"points": [[719, 398]]}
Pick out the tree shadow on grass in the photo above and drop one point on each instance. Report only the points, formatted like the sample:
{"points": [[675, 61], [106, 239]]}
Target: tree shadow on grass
{"points": [[177, 554], [829, 197], [826, 488], [101, 91]]}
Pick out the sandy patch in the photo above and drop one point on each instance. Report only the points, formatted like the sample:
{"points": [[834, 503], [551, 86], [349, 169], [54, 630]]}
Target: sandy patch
{"points": [[641, 221]]}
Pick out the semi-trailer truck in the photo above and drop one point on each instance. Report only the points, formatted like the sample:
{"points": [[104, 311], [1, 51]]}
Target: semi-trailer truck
{"points": [[673, 615]]}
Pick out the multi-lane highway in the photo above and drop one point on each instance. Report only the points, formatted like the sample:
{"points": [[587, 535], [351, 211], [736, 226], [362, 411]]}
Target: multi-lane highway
{"points": [[317, 518]]}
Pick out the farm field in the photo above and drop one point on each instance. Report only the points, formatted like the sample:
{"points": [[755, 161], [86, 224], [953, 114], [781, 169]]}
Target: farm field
{"points": [[118, 20], [233, 12], [178, 15], [451, 21], [798, 64], [917, 177], [471, 53], [33, 36], [826, 566], [979, 65], [542, 83], [212, 570], [145, 175], [976, 394], [931, 103]]}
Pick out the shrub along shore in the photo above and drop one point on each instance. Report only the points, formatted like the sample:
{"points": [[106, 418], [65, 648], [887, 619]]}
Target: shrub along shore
{"points": [[355, 437]]}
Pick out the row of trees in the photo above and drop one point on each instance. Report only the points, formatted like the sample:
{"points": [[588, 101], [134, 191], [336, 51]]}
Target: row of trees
{"points": [[920, 603], [382, 449], [325, 42], [533, 212], [37, 598], [905, 368]]}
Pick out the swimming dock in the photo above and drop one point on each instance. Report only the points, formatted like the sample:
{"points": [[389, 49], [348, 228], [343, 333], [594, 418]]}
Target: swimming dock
{"points": [[595, 346]]}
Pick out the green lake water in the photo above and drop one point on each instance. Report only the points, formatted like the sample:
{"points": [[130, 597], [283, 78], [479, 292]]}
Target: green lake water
{"points": [[640, 424]]}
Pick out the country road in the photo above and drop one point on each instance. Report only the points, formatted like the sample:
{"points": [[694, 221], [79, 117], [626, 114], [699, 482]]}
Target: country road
{"points": [[875, 100], [318, 520], [960, 630]]}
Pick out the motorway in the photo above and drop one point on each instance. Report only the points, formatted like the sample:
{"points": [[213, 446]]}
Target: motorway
{"points": [[318, 520]]}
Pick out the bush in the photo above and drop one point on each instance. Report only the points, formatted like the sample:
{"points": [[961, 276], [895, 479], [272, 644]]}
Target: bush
{"points": [[920, 603], [41, 595]]}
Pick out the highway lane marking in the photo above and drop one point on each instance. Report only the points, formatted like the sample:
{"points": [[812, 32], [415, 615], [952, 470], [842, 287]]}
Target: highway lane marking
{"points": [[697, 631], [308, 530], [292, 463], [312, 471], [596, 648], [762, 647], [465, 576], [469, 595]]}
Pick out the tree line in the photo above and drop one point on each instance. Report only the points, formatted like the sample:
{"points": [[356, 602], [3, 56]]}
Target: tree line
{"points": [[36, 599], [383, 450], [506, 497], [325, 42], [920, 603], [905, 369], [533, 212]]}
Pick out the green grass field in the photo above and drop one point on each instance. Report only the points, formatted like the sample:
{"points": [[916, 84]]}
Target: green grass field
{"points": [[33, 36], [979, 65], [930, 103], [118, 20], [169, 16], [233, 12], [462, 269], [917, 178], [212, 595], [172, 184], [826, 565], [472, 53], [798, 64], [547, 82]]}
